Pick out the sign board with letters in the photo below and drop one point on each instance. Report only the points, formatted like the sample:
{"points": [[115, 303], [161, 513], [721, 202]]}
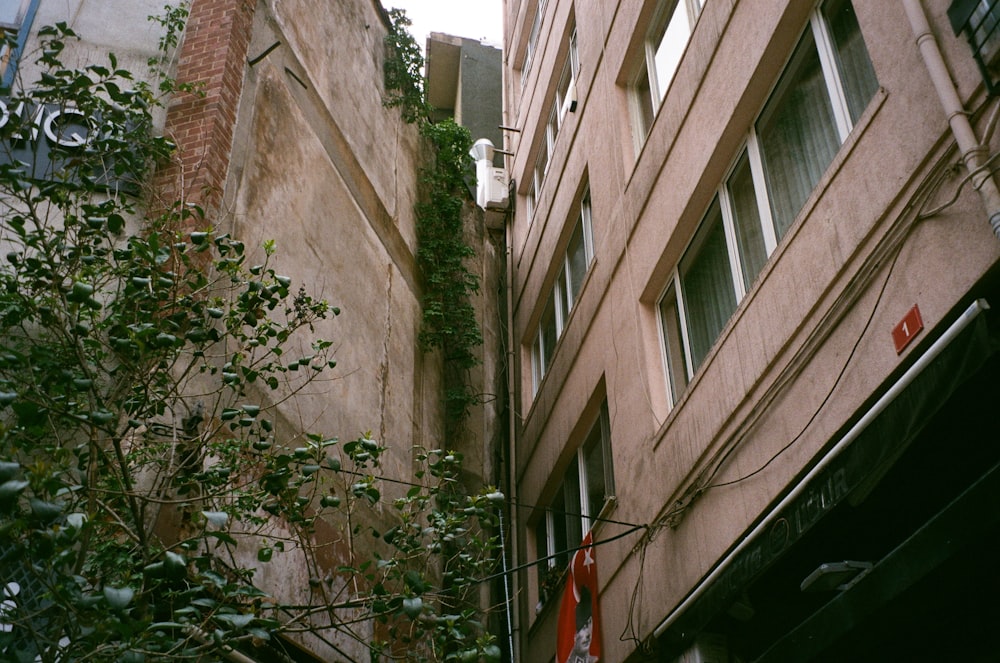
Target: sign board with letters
{"points": [[47, 140]]}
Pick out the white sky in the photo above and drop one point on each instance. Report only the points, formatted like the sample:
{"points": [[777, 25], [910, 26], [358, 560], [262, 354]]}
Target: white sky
{"points": [[475, 19]]}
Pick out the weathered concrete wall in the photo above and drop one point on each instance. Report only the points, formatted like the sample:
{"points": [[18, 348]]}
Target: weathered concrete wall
{"points": [[309, 172], [116, 26], [322, 168]]}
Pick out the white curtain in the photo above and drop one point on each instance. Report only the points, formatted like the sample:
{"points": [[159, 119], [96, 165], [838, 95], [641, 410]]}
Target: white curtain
{"points": [[746, 220], [856, 72], [797, 135], [707, 284]]}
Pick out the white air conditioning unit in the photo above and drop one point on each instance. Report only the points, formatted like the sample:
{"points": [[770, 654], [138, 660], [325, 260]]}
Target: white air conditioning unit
{"points": [[491, 183]]}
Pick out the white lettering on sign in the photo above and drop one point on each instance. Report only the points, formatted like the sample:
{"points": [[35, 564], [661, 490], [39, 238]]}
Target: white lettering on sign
{"points": [[57, 124]]}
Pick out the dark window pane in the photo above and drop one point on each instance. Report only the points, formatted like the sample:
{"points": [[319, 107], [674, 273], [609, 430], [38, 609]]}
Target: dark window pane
{"points": [[749, 237], [856, 73], [707, 284]]}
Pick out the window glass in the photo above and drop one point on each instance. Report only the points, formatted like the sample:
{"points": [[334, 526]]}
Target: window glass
{"points": [[643, 101], [985, 26], [559, 538], [536, 26], [596, 458], [12, 12], [542, 162], [531, 199], [707, 284], [571, 511], [856, 72], [798, 136], [15, 19], [569, 74], [542, 543], [670, 48], [576, 255], [793, 142], [670, 319], [564, 293], [564, 299], [584, 488], [746, 221], [548, 332], [665, 46]]}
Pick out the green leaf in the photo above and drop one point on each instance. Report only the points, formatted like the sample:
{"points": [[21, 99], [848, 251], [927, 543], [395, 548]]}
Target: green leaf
{"points": [[119, 597], [216, 518], [235, 621], [44, 511], [11, 489], [412, 606], [225, 537], [8, 470]]}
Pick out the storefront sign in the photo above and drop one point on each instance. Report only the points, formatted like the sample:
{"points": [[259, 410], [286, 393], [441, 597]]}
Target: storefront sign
{"points": [[47, 139]]}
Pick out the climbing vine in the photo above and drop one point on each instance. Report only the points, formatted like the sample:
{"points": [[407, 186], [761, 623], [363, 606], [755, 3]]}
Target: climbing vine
{"points": [[449, 320], [404, 85]]}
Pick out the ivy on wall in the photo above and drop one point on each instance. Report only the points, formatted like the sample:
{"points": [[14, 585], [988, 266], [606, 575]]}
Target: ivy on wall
{"points": [[449, 322]]}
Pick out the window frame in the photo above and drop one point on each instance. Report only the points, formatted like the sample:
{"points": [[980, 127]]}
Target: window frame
{"points": [[650, 82], [568, 78], [673, 314], [553, 124], [548, 532], [20, 28], [533, 37], [561, 293]]}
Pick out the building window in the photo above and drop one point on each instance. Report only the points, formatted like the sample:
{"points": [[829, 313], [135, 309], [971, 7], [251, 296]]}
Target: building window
{"points": [[554, 123], [566, 89], [664, 47], [980, 21], [15, 22], [575, 263], [529, 53], [587, 486], [822, 92]]}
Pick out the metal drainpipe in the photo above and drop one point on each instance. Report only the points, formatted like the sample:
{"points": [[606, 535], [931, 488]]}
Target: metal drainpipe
{"points": [[511, 425], [973, 152]]}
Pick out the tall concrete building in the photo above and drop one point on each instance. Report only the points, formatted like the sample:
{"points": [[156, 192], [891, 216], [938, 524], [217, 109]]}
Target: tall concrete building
{"points": [[287, 139], [753, 250]]}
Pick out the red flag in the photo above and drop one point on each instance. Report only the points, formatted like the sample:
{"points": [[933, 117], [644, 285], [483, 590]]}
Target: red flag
{"points": [[578, 637]]}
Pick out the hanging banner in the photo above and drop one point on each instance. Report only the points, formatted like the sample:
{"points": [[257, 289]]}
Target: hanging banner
{"points": [[579, 630]]}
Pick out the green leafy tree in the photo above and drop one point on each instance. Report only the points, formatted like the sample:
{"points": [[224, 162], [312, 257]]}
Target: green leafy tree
{"points": [[144, 476]]}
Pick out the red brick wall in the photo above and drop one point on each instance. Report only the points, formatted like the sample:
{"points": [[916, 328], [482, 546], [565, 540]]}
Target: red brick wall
{"points": [[213, 55]]}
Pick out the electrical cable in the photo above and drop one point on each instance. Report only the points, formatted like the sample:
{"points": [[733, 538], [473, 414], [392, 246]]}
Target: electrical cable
{"points": [[505, 500], [826, 398], [630, 631], [961, 185], [538, 561]]}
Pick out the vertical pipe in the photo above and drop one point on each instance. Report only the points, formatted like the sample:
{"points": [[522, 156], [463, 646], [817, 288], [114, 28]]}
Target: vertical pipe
{"points": [[511, 417], [973, 152], [506, 588]]}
